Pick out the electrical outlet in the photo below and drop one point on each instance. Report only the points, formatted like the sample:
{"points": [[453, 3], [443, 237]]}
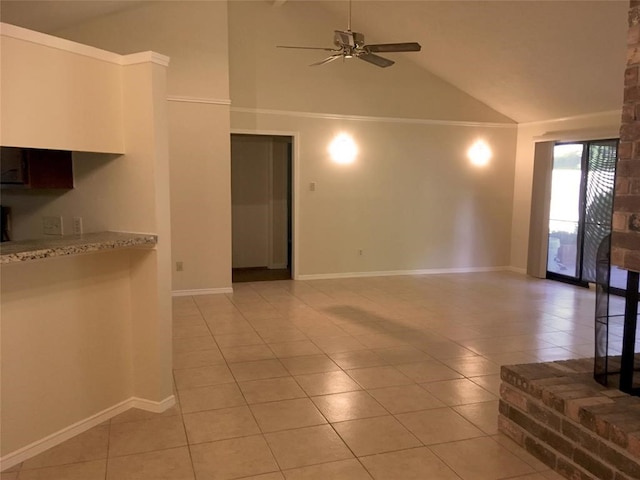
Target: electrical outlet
{"points": [[52, 225], [360, 252], [77, 225], [179, 266]]}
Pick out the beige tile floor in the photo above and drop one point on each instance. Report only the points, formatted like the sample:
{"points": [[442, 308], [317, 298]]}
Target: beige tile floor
{"points": [[384, 378]]}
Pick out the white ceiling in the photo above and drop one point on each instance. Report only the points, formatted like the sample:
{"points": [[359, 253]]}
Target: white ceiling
{"points": [[530, 60]]}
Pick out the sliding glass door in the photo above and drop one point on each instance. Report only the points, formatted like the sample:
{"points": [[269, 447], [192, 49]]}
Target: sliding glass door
{"points": [[582, 186]]}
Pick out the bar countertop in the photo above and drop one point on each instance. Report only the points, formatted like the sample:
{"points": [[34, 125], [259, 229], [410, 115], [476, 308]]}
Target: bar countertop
{"points": [[24, 251]]}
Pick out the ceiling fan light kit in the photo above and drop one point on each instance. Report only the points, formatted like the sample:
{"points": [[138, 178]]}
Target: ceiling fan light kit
{"points": [[350, 44]]}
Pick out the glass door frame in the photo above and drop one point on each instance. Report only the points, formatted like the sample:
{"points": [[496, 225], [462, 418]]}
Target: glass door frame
{"points": [[582, 213]]}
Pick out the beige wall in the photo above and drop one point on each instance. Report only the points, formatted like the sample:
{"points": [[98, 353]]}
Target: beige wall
{"points": [[411, 201], [192, 33], [91, 332], [99, 197], [451, 216], [588, 127], [52, 334], [194, 36], [264, 76], [147, 186], [200, 195], [214, 45], [39, 104]]}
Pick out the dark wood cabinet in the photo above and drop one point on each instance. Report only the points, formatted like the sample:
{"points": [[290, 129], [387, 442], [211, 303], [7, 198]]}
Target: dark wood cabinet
{"points": [[35, 168]]}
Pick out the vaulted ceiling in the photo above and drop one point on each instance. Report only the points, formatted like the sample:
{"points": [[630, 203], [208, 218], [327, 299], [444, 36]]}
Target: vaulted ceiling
{"points": [[530, 60]]}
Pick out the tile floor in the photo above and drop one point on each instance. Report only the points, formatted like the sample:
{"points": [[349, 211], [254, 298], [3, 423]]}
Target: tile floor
{"points": [[384, 378]]}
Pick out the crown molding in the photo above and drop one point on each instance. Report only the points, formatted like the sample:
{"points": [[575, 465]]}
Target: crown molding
{"points": [[367, 118], [145, 57], [209, 101], [585, 116], [38, 38]]}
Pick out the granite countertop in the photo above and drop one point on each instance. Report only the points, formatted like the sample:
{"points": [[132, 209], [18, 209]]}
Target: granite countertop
{"points": [[23, 251]]}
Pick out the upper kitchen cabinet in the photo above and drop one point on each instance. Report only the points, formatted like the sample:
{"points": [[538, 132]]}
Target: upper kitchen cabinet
{"points": [[35, 168], [59, 95]]}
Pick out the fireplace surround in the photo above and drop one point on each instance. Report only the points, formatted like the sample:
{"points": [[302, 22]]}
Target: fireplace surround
{"points": [[558, 413]]}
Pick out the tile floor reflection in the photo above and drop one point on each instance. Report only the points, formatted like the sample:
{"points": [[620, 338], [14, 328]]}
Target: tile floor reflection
{"points": [[371, 378]]}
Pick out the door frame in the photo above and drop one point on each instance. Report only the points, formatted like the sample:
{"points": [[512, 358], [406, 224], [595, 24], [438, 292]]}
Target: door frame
{"points": [[295, 177], [578, 279], [541, 157]]}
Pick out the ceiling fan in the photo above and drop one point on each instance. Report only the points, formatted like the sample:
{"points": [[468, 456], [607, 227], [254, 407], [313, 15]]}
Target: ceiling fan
{"points": [[350, 44]]}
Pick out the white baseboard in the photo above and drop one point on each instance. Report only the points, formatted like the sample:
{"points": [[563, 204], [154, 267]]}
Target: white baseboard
{"points": [[522, 271], [201, 291], [151, 406], [77, 428], [392, 273]]}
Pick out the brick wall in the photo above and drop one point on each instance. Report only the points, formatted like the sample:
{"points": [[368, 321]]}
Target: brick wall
{"points": [[577, 427], [625, 242]]}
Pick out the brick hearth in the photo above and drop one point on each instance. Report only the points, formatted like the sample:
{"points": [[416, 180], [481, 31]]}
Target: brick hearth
{"points": [[559, 414]]}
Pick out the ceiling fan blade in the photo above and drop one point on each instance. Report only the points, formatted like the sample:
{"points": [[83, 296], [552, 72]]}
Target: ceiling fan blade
{"points": [[394, 47], [376, 60], [326, 60], [309, 48]]}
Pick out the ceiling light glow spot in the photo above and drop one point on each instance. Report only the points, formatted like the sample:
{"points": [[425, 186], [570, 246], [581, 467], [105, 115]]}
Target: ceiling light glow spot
{"points": [[343, 149], [479, 154]]}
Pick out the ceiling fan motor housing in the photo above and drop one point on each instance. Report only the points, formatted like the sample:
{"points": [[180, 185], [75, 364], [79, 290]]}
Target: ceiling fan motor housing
{"points": [[348, 39]]}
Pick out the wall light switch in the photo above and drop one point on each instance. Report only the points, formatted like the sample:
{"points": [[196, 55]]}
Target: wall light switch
{"points": [[52, 225], [312, 186]]}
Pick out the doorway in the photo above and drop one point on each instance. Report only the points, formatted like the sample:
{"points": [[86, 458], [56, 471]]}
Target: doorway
{"points": [[261, 207], [582, 190]]}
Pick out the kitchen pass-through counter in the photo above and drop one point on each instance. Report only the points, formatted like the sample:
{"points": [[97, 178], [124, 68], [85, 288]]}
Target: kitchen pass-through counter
{"points": [[22, 251]]}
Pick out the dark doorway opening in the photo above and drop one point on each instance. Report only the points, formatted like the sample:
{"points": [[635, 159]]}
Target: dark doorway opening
{"points": [[261, 200]]}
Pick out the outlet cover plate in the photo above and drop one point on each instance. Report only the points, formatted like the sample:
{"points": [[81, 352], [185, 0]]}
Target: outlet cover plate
{"points": [[77, 225], [52, 225]]}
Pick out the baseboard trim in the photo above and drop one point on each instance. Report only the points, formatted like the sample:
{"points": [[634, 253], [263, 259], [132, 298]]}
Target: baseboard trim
{"points": [[522, 271], [393, 273], [39, 446], [201, 291], [151, 406]]}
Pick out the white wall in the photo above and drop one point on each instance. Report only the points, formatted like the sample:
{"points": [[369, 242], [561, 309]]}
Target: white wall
{"points": [[97, 197], [411, 201], [52, 334], [194, 35], [588, 127], [39, 104], [90, 332], [267, 77]]}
